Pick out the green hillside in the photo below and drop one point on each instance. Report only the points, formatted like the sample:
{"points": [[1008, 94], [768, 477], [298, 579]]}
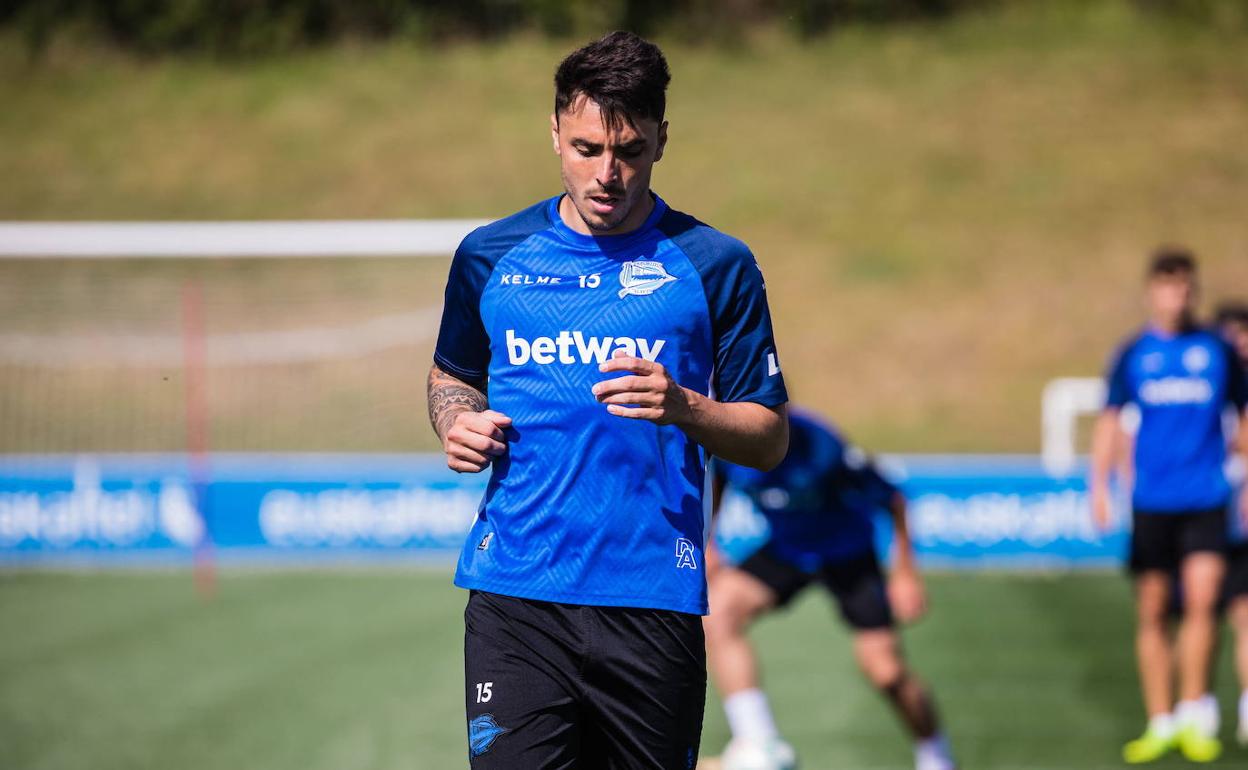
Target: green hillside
{"points": [[948, 214]]}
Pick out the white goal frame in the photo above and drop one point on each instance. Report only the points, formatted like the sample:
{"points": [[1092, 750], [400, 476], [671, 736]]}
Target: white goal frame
{"points": [[311, 238]]}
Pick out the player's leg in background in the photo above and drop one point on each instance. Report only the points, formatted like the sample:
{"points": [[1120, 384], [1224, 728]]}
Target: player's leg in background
{"points": [[860, 592], [1152, 641], [737, 598], [1202, 574], [1237, 616], [879, 656], [1198, 628], [1154, 560]]}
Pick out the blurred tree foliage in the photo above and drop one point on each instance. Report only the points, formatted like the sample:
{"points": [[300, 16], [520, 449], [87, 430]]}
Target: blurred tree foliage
{"points": [[255, 27]]}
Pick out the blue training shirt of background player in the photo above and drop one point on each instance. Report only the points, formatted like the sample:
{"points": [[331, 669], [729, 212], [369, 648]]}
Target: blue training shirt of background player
{"points": [[587, 507], [1181, 384], [821, 501]]}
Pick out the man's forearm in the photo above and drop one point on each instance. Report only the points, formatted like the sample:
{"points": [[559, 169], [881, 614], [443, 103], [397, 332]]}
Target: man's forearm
{"points": [[744, 433], [448, 396], [903, 549], [1104, 435]]}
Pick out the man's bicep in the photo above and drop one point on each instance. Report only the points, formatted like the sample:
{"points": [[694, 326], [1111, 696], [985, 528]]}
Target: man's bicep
{"points": [[440, 378]]}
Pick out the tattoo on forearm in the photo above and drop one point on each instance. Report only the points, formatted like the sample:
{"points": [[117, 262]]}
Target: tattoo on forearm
{"points": [[448, 396]]}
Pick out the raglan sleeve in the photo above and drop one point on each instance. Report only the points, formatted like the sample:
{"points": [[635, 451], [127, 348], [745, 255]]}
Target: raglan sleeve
{"points": [[747, 365], [463, 347], [870, 481], [1118, 381]]}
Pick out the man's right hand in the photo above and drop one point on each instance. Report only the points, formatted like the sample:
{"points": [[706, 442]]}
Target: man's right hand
{"points": [[1102, 507], [474, 440]]}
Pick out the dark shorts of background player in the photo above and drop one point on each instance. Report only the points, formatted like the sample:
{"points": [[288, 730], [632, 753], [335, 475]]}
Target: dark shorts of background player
{"points": [[571, 686], [857, 583], [1161, 541], [1236, 584]]}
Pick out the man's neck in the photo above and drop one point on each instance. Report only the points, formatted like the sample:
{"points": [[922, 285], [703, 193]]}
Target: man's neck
{"points": [[1170, 325]]}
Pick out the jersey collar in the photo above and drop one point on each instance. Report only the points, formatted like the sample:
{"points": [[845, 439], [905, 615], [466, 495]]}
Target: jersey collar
{"points": [[604, 242]]}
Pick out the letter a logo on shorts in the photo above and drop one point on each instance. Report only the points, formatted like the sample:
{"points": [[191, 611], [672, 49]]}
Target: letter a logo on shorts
{"points": [[482, 732], [684, 554]]}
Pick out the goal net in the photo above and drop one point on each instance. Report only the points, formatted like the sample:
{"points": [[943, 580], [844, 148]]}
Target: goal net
{"points": [[275, 354]]}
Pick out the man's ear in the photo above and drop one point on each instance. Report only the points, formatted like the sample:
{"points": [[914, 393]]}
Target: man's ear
{"points": [[554, 132], [658, 155]]}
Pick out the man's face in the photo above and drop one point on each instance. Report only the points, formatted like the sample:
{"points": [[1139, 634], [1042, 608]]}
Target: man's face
{"points": [[606, 172], [1171, 295]]}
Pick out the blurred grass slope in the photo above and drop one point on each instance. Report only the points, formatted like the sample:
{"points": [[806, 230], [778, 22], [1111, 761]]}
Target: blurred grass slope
{"points": [[948, 214], [346, 671]]}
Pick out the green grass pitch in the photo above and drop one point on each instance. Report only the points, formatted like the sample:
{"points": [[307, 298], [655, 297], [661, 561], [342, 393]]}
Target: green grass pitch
{"points": [[361, 669]]}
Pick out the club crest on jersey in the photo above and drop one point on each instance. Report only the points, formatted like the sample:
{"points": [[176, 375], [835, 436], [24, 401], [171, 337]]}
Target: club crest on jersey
{"points": [[684, 554], [642, 276], [1196, 359], [482, 732]]}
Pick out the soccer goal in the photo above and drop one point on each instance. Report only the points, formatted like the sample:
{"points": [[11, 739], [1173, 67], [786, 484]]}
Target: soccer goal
{"points": [[248, 336]]}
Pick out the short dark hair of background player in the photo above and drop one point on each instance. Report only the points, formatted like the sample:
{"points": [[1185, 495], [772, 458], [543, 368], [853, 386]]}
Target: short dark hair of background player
{"points": [[1172, 261]]}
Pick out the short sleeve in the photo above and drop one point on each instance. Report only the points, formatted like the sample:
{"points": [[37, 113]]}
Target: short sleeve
{"points": [[463, 347], [1118, 381], [747, 365], [1236, 380], [867, 479]]}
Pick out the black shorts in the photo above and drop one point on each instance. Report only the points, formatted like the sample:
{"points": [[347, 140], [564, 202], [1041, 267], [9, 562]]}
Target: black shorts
{"points": [[569, 686], [857, 584], [1236, 583], [1161, 541]]}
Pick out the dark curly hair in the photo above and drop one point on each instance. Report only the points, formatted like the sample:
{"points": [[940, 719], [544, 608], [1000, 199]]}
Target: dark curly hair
{"points": [[624, 74]]}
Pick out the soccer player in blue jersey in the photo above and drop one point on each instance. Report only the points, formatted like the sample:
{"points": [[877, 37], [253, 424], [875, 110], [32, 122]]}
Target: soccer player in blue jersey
{"points": [[820, 504], [1180, 377], [595, 349], [1232, 321]]}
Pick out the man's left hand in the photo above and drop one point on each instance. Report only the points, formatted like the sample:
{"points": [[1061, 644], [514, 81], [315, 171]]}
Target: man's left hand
{"points": [[907, 595], [647, 393]]}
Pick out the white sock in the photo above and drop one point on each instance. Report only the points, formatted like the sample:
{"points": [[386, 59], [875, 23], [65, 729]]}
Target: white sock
{"points": [[749, 716], [933, 752], [1201, 713], [1162, 725], [1212, 714], [1243, 708]]}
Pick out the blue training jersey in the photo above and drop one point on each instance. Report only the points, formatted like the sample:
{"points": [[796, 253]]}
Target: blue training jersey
{"points": [[1181, 384], [587, 507], [821, 501]]}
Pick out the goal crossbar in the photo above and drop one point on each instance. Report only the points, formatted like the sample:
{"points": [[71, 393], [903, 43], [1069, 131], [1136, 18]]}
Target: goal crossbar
{"points": [[310, 238]]}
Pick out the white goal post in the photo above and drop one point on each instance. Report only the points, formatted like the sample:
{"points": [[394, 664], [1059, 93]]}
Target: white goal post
{"points": [[1065, 400], [329, 238]]}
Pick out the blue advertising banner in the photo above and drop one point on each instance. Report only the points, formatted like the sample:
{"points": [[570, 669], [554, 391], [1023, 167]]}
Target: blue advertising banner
{"points": [[965, 511]]}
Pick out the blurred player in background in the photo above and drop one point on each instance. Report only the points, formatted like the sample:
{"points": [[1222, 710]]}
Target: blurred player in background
{"points": [[580, 341], [1180, 377], [819, 503], [1232, 320]]}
